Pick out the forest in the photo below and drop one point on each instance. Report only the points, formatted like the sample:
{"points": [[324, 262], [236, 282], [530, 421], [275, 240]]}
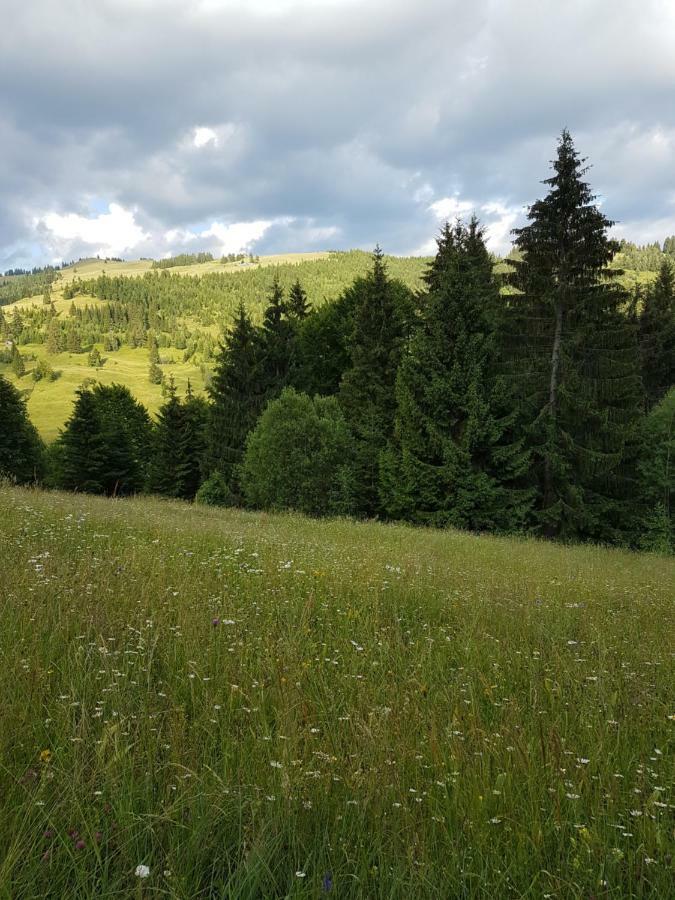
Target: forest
{"points": [[530, 395]]}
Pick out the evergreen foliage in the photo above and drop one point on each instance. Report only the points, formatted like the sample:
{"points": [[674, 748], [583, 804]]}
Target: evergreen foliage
{"points": [[236, 394], [367, 392], [20, 447], [573, 360], [298, 457], [277, 343], [454, 460], [657, 477], [215, 492], [657, 335], [105, 446], [178, 446]]}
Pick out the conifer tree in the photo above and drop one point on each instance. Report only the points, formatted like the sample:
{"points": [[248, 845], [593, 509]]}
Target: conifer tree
{"points": [[657, 335], [277, 343], [18, 365], [573, 358], [367, 392], [297, 306], [454, 459], [164, 478], [20, 447], [236, 394]]}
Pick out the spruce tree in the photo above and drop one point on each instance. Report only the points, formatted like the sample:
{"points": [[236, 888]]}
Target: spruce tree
{"points": [[18, 365], [657, 335], [454, 459], [367, 392], [298, 307], [573, 360], [236, 394], [277, 343], [164, 478], [20, 447]]}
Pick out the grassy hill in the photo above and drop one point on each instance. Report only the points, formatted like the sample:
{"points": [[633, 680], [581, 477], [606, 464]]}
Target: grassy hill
{"points": [[261, 706], [202, 299]]}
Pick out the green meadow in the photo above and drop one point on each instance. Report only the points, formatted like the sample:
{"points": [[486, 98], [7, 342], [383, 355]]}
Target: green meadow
{"points": [[271, 706]]}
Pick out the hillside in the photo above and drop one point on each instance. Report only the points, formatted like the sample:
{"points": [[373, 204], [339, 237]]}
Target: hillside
{"points": [[254, 705], [196, 302]]}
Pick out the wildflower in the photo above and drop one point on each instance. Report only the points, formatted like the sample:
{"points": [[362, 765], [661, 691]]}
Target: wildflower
{"points": [[215, 622], [142, 871], [327, 883], [275, 764], [300, 874], [45, 756], [80, 845], [49, 833]]}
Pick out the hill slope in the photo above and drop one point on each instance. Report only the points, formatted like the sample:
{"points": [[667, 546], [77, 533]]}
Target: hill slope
{"points": [[272, 706]]}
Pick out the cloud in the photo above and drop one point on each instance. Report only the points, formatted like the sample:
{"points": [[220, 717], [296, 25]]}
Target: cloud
{"points": [[108, 234], [338, 121]]}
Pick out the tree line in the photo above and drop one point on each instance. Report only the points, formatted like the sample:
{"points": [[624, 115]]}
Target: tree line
{"points": [[544, 410]]}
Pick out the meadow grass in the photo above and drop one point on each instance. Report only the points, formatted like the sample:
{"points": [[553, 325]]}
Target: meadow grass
{"points": [[270, 706], [50, 403]]}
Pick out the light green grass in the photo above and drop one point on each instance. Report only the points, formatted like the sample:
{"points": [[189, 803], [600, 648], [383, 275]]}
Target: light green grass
{"points": [[50, 403], [421, 714]]}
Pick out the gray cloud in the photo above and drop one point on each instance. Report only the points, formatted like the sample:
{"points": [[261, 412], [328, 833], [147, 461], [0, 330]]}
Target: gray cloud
{"points": [[335, 123]]}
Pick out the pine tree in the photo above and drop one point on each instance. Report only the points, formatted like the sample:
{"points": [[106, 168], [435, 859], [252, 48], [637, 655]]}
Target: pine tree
{"points": [[236, 394], [81, 457], [18, 365], [454, 459], [657, 335], [573, 359], [53, 342], [367, 392], [297, 306], [155, 374], [20, 447], [166, 457], [94, 358], [277, 343]]}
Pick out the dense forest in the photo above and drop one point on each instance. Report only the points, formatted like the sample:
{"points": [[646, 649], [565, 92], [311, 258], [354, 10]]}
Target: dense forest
{"points": [[532, 395]]}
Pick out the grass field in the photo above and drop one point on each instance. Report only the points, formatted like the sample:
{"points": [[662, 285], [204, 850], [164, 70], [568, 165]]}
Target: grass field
{"points": [[257, 706], [50, 403]]}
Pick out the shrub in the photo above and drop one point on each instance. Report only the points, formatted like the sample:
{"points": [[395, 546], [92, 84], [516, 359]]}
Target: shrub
{"points": [[298, 456], [215, 492]]}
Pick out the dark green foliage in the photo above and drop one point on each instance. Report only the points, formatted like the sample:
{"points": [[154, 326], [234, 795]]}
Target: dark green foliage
{"points": [[367, 392], [41, 370], [20, 447], [155, 374], [215, 492], [454, 459], [657, 335], [657, 476], [277, 343], [236, 394], [298, 307], [105, 446], [322, 346], [53, 343], [298, 457], [183, 259], [573, 361], [178, 446]]}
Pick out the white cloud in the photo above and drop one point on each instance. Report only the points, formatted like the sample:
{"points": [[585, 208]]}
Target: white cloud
{"points": [[238, 236], [451, 208], [203, 136], [497, 218], [109, 234]]}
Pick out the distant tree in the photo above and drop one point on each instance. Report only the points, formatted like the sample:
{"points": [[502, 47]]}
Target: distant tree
{"points": [[18, 366], [657, 335], [110, 343], [73, 342], [155, 374], [94, 358], [297, 306], [298, 456], [42, 370], [573, 358], [21, 449], [53, 343], [178, 446], [236, 393]]}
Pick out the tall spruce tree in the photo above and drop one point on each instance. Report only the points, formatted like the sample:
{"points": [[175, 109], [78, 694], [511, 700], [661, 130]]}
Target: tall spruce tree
{"points": [[657, 335], [237, 398], [20, 447], [573, 358], [454, 459], [298, 307], [277, 343], [367, 392]]}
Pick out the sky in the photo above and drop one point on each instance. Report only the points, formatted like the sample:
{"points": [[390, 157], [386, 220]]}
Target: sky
{"points": [[153, 127]]}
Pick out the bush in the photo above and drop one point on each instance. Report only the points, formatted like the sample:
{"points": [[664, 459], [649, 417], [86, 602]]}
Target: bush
{"points": [[44, 370], [215, 492], [298, 456]]}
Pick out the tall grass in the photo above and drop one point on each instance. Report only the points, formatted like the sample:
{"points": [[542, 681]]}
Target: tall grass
{"points": [[256, 706]]}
